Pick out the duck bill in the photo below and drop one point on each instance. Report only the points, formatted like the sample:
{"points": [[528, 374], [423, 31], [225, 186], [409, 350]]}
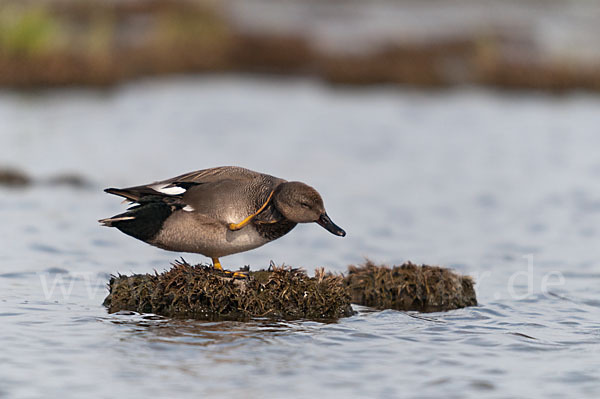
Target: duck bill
{"points": [[330, 226]]}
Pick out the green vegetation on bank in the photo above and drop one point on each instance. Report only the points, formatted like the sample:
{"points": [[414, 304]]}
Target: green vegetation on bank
{"points": [[95, 42], [28, 31]]}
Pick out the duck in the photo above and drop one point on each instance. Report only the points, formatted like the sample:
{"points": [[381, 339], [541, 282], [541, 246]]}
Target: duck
{"points": [[218, 211]]}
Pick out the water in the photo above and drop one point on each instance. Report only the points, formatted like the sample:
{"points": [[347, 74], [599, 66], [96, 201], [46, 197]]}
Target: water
{"points": [[504, 187]]}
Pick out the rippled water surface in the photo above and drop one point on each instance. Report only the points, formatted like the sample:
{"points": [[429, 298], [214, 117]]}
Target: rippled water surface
{"points": [[504, 187]]}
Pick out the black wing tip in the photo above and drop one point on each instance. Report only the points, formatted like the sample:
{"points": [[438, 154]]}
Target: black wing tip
{"points": [[123, 192]]}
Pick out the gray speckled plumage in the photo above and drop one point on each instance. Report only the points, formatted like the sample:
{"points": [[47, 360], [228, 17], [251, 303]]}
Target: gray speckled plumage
{"points": [[193, 212]]}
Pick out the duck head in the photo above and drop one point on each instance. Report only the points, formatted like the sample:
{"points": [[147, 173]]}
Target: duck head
{"points": [[300, 203]]}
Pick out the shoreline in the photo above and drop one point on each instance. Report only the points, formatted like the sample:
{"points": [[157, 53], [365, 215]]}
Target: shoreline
{"points": [[65, 43]]}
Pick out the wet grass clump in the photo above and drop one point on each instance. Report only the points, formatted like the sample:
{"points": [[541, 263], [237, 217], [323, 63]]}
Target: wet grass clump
{"points": [[16, 178], [202, 292], [13, 178], [409, 287]]}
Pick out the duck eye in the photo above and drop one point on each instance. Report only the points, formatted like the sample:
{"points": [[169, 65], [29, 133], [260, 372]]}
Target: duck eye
{"points": [[305, 205]]}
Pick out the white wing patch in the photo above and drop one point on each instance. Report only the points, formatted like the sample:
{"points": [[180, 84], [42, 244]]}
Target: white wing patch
{"points": [[167, 189], [188, 208]]}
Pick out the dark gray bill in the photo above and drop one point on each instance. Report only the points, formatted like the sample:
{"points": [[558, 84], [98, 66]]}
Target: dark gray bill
{"points": [[330, 226]]}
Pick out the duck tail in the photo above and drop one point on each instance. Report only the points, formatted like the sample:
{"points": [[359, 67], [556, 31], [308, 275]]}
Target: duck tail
{"points": [[142, 221]]}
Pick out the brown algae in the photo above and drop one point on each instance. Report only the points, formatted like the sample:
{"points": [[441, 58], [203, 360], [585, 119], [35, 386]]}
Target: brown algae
{"points": [[202, 292], [409, 287]]}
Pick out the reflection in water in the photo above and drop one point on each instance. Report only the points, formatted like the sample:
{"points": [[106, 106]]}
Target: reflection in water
{"points": [[204, 333]]}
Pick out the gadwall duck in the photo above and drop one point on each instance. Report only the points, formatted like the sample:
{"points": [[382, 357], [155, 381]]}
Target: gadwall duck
{"points": [[219, 211]]}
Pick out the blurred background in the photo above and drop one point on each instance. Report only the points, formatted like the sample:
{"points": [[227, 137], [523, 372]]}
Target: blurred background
{"points": [[463, 133], [541, 44]]}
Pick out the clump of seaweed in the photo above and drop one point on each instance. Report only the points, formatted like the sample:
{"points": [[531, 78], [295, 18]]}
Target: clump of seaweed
{"points": [[16, 178], [205, 293], [13, 178], [409, 287]]}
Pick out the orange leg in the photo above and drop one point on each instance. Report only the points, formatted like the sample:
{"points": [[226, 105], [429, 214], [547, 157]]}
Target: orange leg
{"points": [[216, 263]]}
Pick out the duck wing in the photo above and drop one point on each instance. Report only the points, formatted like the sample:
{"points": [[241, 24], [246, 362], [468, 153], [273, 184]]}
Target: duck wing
{"points": [[216, 174], [177, 186], [225, 193]]}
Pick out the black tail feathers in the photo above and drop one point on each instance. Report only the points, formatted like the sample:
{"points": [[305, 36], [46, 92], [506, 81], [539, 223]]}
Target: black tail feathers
{"points": [[141, 221]]}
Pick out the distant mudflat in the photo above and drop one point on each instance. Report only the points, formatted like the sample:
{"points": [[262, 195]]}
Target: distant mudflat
{"points": [[16, 178]]}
